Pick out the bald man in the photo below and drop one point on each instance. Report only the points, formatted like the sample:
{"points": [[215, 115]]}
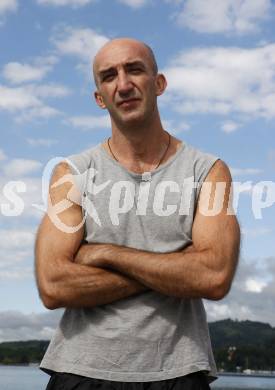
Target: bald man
{"points": [[129, 247]]}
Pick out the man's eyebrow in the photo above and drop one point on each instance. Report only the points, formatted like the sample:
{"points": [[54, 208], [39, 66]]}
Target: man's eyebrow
{"points": [[107, 70], [128, 64], [135, 63]]}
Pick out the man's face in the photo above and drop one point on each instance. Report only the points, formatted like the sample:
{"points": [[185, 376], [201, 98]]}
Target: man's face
{"points": [[127, 84]]}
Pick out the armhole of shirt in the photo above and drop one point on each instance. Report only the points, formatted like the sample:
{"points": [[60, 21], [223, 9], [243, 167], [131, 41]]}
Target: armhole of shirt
{"points": [[79, 164], [200, 180]]}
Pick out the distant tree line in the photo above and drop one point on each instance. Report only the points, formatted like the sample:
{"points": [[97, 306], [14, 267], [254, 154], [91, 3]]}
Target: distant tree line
{"points": [[22, 352], [237, 345], [240, 345]]}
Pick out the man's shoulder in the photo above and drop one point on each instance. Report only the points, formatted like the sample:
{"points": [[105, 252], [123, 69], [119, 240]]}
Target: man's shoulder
{"points": [[194, 159], [87, 151], [81, 161], [198, 153]]}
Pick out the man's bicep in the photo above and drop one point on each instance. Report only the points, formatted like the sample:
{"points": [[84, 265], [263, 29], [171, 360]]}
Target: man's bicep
{"points": [[52, 242], [215, 227], [61, 231]]}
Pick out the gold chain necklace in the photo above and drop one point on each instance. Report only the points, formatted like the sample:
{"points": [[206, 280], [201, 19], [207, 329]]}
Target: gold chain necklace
{"points": [[161, 159]]}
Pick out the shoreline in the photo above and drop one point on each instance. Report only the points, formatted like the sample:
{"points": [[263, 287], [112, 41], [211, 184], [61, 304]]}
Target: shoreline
{"points": [[252, 375], [238, 374]]}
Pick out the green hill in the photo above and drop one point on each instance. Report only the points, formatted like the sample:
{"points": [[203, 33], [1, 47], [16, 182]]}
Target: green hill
{"points": [[243, 344], [22, 352]]}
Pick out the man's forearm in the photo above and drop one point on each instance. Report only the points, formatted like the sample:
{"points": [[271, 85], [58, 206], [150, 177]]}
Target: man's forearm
{"points": [[186, 273], [166, 273], [82, 286]]}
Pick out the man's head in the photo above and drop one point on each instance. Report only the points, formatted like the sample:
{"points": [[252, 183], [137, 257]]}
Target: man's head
{"points": [[125, 41], [127, 80]]}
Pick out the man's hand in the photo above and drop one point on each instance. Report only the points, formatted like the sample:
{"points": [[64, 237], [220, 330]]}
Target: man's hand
{"points": [[97, 255], [93, 254]]}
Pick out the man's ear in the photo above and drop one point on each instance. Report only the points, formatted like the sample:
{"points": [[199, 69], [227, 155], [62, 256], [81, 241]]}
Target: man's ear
{"points": [[161, 84], [99, 100]]}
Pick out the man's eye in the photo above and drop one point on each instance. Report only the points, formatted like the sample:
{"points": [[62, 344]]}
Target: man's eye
{"points": [[136, 70], [108, 77]]}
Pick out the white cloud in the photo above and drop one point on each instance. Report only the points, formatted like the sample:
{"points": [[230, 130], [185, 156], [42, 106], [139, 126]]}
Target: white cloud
{"points": [[219, 311], [72, 3], [83, 43], [27, 101], [41, 141], [13, 263], [17, 273], [13, 99], [79, 3], [230, 126], [254, 284], [16, 253], [48, 90], [245, 171], [227, 16], [8, 5], [42, 112], [134, 3], [20, 167], [15, 239], [223, 81], [89, 122], [15, 325], [175, 127], [16, 72]]}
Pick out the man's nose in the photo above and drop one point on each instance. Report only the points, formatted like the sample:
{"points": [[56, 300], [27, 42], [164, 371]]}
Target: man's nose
{"points": [[124, 84]]}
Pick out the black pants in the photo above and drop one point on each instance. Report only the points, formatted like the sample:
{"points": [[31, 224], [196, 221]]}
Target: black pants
{"points": [[64, 381]]}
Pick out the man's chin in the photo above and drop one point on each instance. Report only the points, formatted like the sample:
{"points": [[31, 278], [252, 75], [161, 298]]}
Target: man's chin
{"points": [[131, 118]]}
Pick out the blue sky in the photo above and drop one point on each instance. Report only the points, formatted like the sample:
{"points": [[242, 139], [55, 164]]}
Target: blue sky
{"points": [[219, 59]]}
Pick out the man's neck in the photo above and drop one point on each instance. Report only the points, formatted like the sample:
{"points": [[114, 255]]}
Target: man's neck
{"points": [[141, 151]]}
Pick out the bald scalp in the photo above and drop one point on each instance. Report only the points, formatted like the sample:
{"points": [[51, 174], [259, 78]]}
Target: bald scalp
{"points": [[124, 41]]}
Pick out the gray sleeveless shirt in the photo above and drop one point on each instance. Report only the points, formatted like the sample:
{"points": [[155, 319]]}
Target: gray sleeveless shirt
{"points": [[149, 336]]}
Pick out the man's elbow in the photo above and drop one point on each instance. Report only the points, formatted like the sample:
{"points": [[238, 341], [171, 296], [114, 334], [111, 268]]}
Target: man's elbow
{"points": [[220, 288], [223, 277], [49, 297], [218, 293], [50, 303]]}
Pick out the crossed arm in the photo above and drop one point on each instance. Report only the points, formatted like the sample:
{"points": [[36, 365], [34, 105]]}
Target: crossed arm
{"points": [[75, 275]]}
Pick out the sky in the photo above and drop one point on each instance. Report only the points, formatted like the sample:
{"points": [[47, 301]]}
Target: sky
{"points": [[219, 61]]}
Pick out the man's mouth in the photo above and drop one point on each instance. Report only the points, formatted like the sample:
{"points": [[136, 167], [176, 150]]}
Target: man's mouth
{"points": [[128, 102]]}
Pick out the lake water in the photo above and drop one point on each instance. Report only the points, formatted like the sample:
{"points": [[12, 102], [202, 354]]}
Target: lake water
{"points": [[31, 378]]}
